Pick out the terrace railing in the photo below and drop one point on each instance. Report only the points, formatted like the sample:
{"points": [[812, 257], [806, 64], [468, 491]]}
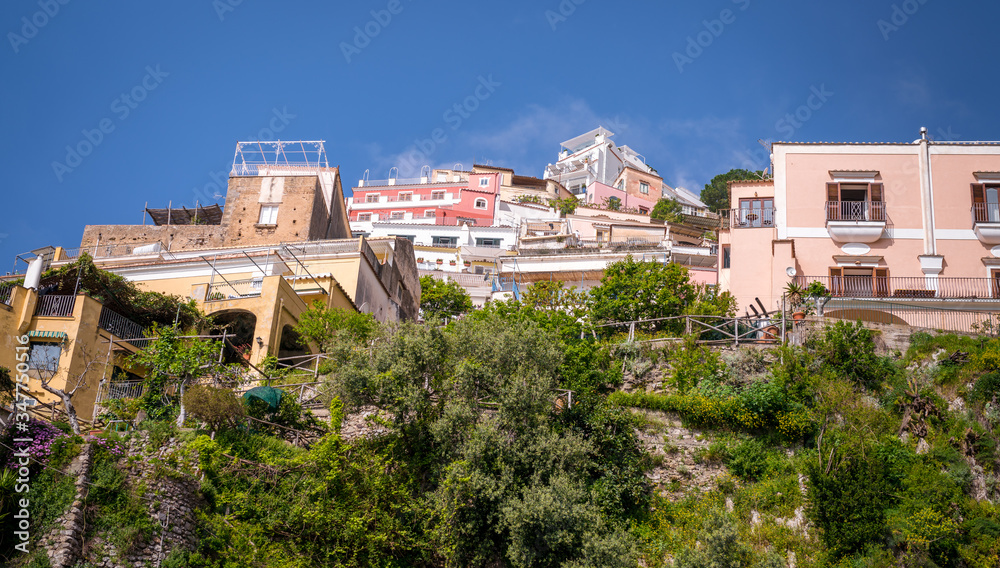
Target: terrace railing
{"points": [[953, 288], [986, 212], [855, 211], [6, 289], [122, 327], [234, 290], [748, 218], [55, 306]]}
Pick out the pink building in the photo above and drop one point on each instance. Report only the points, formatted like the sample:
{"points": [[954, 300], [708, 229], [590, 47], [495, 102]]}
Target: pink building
{"points": [[894, 231], [444, 197]]}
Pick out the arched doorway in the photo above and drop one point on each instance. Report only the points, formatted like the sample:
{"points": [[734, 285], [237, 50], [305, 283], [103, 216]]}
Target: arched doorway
{"points": [[239, 327]]}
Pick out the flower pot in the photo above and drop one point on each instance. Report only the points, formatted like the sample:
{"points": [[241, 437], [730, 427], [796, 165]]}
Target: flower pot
{"points": [[799, 316], [440, 261], [771, 332], [452, 263], [420, 259]]}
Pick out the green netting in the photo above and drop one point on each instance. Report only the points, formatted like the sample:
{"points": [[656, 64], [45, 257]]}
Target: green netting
{"points": [[270, 395]]}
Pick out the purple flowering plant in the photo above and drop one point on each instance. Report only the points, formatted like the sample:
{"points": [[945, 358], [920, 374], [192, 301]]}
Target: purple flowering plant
{"points": [[44, 439], [113, 448]]}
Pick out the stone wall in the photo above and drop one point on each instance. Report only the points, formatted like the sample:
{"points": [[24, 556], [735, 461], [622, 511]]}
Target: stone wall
{"points": [[63, 544], [172, 496], [174, 237]]}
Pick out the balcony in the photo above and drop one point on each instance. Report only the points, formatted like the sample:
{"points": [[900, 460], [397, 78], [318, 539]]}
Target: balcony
{"points": [[986, 222], [855, 221], [752, 218], [234, 290], [55, 306], [906, 288]]}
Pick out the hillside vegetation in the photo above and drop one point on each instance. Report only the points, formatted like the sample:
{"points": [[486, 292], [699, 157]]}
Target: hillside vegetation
{"points": [[834, 453]]}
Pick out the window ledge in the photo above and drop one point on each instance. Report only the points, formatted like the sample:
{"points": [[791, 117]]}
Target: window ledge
{"points": [[261, 226]]}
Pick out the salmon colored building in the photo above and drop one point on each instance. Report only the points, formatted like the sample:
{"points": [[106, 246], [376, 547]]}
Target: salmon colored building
{"points": [[895, 232]]}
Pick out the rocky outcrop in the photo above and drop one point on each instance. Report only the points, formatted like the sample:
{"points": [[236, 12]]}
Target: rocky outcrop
{"points": [[680, 453]]}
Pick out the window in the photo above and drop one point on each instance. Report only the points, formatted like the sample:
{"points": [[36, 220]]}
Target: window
{"points": [[854, 202], [397, 215], [621, 185], [44, 357], [371, 198], [726, 259], [444, 241], [480, 203], [480, 242], [643, 210], [364, 216], [578, 189], [465, 221], [407, 196], [985, 203], [756, 212], [863, 282], [411, 238], [484, 182], [643, 187], [268, 215], [442, 177], [437, 195], [430, 214]]}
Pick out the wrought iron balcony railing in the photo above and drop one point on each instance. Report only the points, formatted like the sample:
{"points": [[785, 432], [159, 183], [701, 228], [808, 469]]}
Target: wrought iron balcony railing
{"points": [[754, 218], [855, 211], [55, 306], [909, 288], [986, 212]]}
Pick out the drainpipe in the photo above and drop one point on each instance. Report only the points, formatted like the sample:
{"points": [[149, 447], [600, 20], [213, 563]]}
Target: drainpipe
{"points": [[931, 263]]}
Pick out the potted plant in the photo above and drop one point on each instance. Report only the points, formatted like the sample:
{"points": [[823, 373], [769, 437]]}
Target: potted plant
{"points": [[421, 259], [818, 294], [467, 263], [794, 294], [440, 261], [451, 263]]}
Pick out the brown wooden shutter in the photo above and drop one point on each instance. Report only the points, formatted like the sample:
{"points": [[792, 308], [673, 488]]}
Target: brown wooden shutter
{"points": [[979, 193], [833, 191], [882, 282], [979, 202], [876, 192]]}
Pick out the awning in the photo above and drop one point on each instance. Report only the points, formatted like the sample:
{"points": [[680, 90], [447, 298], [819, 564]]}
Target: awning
{"points": [[52, 335]]}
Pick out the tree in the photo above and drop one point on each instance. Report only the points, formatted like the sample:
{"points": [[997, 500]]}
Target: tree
{"points": [[442, 300], [216, 407], [633, 290], [566, 206], [716, 192], [44, 364], [668, 210], [174, 359], [327, 326]]}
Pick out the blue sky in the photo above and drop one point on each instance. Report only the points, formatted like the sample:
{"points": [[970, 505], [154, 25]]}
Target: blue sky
{"points": [[692, 85]]}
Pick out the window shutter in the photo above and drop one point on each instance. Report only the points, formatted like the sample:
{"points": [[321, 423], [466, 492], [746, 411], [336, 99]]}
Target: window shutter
{"points": [[876, 192], [979, 193], [979, 202], [882, 282], [833, 192]]}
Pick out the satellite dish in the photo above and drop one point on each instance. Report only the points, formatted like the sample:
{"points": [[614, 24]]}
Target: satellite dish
{"points": [[790, 271]]}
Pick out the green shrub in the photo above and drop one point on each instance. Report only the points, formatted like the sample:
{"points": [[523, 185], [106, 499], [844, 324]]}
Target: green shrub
{"points": [[850, 350], [986, 388], [749, 460], [216, 407]]}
